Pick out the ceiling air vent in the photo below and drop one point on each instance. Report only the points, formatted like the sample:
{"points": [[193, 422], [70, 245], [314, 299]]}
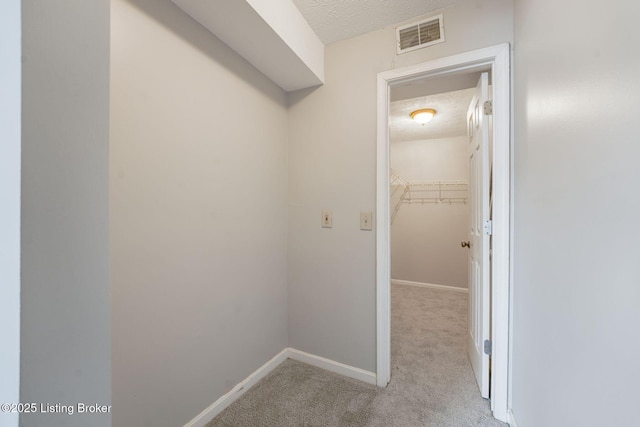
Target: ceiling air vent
{"points": [[422, 34]]}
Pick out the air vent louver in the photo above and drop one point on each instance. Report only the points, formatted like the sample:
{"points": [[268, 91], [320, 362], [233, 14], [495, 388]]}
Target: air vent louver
{"points": [[421, 34]]}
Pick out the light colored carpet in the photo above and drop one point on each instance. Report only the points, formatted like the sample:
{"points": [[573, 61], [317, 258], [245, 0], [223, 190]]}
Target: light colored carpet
{"points": [[431, 382]]}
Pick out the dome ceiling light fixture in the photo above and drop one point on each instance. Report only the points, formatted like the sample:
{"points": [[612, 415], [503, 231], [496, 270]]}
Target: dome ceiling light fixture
{"points": [[423, 115]]}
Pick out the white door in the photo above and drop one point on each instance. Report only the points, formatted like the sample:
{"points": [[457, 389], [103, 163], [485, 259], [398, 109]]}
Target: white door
{"points": [[478, 244]]}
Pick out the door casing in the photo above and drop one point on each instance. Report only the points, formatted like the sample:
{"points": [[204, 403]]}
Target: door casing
{"points": [[496, 59]]}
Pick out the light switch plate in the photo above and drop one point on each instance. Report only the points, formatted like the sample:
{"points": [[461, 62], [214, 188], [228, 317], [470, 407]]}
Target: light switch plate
{"points": [[366, 221], [327, 219]]}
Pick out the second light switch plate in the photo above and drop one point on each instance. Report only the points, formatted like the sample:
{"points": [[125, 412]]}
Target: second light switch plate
{"points": [[366, 220]]}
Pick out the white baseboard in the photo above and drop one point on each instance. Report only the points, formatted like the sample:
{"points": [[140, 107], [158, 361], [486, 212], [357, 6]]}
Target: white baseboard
{"points": [[333, 366], [288, 353], [429, 285], [511, 419], [221, 404]]}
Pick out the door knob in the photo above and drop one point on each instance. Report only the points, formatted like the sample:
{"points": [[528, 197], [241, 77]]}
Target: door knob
{"points": [[466, 244]]}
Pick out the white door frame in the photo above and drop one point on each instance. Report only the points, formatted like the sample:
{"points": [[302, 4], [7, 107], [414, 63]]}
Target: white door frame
{"points": [[496, 59]]}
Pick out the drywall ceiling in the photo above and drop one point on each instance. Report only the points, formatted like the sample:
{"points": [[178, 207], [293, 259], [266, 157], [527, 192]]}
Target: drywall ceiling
{"points": [[335, 20], [292, 33], [449, 121]]}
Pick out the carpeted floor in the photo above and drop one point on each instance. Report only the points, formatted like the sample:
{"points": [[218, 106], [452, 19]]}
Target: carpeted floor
{"points": [[431, 381]]}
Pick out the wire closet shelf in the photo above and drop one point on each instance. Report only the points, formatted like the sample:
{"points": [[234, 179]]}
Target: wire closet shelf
{"points": [[436, 192]]}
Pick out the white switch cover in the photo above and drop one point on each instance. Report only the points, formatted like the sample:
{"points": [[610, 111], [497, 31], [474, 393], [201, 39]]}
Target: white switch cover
{"points": [[366, 221], [327, 219]]}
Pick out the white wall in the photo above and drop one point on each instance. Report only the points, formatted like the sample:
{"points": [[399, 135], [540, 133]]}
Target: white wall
{"points": [[577, 277], [10, 77], [65, 324], [332, 159], [198, 216], [425, 237], [440, 159]]}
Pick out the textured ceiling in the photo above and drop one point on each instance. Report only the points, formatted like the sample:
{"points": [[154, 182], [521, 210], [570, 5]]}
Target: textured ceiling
{"points": [[334, 20], [450, 119]]}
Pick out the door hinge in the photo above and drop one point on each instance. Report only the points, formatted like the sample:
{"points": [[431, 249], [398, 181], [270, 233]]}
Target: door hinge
{"points": [[488, 108], [487, 347], [488, 227]]}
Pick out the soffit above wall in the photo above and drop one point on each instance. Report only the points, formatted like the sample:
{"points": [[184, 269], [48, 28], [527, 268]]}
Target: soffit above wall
{"points": [[335, 20], [271, 34]]}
